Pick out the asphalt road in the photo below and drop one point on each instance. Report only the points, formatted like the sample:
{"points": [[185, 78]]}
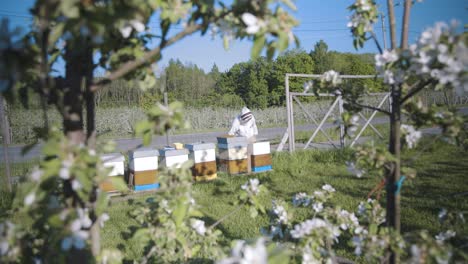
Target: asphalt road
{"points": [[123, 145]]}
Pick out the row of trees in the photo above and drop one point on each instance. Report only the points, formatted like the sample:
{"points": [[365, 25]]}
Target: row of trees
{"points": [[258, 83]]}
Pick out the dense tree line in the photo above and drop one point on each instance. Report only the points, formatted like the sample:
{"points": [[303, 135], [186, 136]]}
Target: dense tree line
{"points": [[258, 83]]}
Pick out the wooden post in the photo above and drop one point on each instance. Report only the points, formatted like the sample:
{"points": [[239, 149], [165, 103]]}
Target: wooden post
{"points": [[288, 110], [342, 127]]}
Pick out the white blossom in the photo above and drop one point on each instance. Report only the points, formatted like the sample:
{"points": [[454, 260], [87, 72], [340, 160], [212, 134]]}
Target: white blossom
{"points": [[412, 135], [36, 174], [307, 86], [388, 56], [6, 231], [198, 225], [4, 248], [361, 208], [252, 22], [357, 243], [352, 168], [246, 254], [308, 257], [126, 30], [364, 4], [358, 19], [301, 199], [76, 185], [83, 217], [281, 213], [331, 77], [328, 188], [442, 236], [307, 227], [442, 214], [29, 199], [102, 219], [165, 205], [318, 207], [64, 171], [252, 186]]}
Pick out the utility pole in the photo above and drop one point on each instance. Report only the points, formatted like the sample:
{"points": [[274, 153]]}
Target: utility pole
{"points": [[384, 32]]}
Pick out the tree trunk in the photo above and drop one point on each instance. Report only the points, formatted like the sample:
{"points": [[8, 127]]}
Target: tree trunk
{"points": [[75, 72], [6, 139], [79, 76], [393, 175]]}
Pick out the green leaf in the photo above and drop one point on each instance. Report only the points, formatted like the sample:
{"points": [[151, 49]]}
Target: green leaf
{"points": [[180, 212], [118, 183], [259, 43], [253, 212], [283, 41], [142, 236], [290, 4], [147, 138]]}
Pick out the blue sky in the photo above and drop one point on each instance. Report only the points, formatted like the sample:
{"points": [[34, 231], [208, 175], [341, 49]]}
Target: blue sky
{"points": [[320, 19]]}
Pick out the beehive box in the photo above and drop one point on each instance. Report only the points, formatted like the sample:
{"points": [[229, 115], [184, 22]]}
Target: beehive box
{"points": [[260, 156], [115, 161], [232, 155], [204, 157], [170, 157], [143, 166]]}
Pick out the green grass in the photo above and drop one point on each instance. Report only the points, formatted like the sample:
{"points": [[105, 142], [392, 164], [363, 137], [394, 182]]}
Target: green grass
{"points": [[441, 177], [441, 183]]}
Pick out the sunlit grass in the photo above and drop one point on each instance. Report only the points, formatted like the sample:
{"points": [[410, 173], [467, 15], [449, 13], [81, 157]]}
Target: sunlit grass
{"points": [[440, 181]]}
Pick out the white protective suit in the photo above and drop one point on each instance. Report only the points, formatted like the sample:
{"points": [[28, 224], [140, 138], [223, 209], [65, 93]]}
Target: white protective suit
{"points": [[244, 125]]}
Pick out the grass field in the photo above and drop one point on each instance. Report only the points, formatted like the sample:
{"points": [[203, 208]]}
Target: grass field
{"points": [[441, 183]]}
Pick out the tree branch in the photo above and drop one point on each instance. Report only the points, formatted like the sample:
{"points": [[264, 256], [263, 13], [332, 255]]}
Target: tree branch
{"points": [[148, 57], [376, 42], [415, 88], [227, 216]]}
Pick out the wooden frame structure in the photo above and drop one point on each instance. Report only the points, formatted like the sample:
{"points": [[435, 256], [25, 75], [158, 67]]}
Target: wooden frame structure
{"points": [[293, 96]]}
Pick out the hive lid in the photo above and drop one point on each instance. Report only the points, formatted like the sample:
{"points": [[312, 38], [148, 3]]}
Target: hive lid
{"points": [[112, 157], [143, 152], [200, 146], [168, 152], [232, 145]]}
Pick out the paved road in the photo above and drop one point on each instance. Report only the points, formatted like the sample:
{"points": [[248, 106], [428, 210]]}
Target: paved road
{"points": [[160, 141], [124, 145]]}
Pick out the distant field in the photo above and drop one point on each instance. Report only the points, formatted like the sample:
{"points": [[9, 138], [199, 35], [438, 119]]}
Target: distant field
{"points": [[119, 122]]}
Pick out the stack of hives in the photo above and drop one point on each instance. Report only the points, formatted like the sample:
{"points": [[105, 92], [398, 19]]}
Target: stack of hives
{"points": [[260, 156], [173, 157], [115, 161], [204, 157], [143, 166], [232, 154]]}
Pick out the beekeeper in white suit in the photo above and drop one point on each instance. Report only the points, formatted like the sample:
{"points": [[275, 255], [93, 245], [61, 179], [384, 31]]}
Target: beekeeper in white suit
{"points": [[244, 126]]}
